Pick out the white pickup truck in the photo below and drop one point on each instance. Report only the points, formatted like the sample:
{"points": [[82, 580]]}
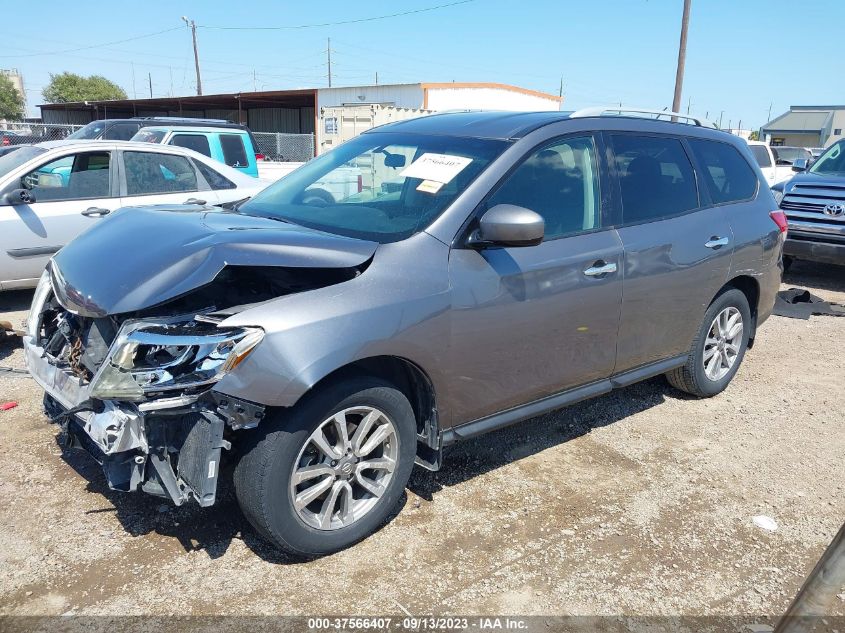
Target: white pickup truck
{"points": [[776, 168]]}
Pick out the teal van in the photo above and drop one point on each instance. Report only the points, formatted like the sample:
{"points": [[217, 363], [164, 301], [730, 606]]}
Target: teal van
{"points": [[233, 145]]}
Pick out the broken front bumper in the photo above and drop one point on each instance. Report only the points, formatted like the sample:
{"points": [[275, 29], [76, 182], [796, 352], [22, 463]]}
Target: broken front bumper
{"points": [[169, 447]]}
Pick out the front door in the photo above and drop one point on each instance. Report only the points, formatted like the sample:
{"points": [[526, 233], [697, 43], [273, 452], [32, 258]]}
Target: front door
{"points": [[71, 193], [529, 322], [677, 249]]}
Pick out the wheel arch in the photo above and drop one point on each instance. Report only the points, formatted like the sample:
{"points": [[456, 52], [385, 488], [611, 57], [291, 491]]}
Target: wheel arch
{"points": [[750, 287], [413, 381]]}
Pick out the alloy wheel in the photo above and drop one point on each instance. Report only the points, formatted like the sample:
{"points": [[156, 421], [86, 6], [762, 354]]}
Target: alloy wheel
{"points": [[344, 468], [723, 343]]}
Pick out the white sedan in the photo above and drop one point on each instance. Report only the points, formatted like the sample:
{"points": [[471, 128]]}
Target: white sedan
{"points": [[51, 192]]}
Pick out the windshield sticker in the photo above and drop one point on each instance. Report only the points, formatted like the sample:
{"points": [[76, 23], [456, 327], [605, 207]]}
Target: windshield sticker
{"points": [[440, 168], [430, 186]]}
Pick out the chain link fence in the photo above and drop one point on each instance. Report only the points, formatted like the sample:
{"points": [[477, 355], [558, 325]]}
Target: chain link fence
{"points": [[277, 146], [24, 133]]}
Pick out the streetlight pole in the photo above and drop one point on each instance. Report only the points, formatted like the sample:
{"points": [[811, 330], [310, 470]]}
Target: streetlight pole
{"points": [[193, 26], [682, 58]]}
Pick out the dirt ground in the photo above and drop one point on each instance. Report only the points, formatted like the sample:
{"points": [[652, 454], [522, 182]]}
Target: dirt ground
{"points": [[639, 502]]}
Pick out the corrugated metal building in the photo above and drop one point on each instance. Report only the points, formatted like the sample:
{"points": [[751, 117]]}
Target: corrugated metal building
{"points": [[806, 126], [299, 111]]}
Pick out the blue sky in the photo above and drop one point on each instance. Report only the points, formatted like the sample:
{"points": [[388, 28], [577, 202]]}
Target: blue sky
{"points": [[743, 56]]}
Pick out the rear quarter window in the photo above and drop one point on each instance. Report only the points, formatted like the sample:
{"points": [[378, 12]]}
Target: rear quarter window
{"points": [[214, 179], [234, 153], [761, 155], [728, 175]]}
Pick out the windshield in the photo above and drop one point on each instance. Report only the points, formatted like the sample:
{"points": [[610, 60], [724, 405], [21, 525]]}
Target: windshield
{"points": [[832, 161], [13, 160], [383, 187], [93, 130]]}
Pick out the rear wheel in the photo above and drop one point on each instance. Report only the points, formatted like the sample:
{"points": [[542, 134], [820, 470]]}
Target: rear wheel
{"points": [[718, 348], [328, 473]]}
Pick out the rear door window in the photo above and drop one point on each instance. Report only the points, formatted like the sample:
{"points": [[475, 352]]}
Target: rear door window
{"points": [[729, 177], [656, 177], [196, 142], [148, 173], [234, 153]]}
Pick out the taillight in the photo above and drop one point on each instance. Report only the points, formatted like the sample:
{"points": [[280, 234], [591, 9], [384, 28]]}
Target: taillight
{"points": [[360, 183], [259, 157], [779, 218]]}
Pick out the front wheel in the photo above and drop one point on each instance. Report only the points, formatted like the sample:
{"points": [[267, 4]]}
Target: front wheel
{"points": [[718, 348], [327, 473]]}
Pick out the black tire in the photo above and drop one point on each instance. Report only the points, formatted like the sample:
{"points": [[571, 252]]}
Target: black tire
{"points": [[691, 376], [263, 474]]}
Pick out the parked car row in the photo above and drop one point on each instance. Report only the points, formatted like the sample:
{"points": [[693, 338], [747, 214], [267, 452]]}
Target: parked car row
{"points": [[230, 143], [52, 192], [423, 283]]}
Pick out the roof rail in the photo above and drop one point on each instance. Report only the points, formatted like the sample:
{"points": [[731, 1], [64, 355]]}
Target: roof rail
{"points": [[183, 118], [602, 110]]}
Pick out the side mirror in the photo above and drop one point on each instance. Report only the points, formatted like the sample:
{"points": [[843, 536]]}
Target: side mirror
{"points": [[800, 164], [509, 225], [16, 197]]}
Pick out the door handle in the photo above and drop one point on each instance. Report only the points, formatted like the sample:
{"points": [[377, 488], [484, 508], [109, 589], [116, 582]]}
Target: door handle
{"points": [[96, 212], [195, 201], [600, 268], [716, 242]]}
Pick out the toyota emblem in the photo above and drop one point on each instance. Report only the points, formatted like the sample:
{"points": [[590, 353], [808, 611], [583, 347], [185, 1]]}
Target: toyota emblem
{"points": [[834, 210]]}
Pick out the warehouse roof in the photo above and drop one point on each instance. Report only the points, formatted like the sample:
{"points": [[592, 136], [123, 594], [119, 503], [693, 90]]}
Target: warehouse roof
{"points": [[800, 120]]}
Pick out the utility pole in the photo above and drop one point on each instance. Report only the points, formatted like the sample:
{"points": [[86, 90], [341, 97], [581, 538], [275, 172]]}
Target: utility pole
{"points": [[682, 58], [150, 77], [560, 90], [377, 78], [254, 84], [770, 112], [329, 53], [720, 118], [689, 103], [193, 26], [134, 92]]}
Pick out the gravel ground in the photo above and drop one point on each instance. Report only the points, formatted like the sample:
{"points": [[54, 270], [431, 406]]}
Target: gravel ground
{"points": [[639, 502]]}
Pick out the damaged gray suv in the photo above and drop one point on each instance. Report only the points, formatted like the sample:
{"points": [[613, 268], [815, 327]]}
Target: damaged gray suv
{"points": [[423, 283]]}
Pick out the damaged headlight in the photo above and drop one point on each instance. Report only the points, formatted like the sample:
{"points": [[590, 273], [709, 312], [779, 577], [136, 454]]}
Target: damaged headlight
{"points": [[152, 357]]}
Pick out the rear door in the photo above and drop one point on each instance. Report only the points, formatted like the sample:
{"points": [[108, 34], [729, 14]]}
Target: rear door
{"points": [[71, 192], [161, 178], [677, 247]]}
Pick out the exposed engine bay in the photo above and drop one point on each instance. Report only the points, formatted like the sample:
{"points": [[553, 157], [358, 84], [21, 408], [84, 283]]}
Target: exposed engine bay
{"points": [[136, 390]]}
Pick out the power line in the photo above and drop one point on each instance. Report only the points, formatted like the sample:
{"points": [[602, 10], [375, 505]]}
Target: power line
{"points": [[355, 21], [85, 48]]}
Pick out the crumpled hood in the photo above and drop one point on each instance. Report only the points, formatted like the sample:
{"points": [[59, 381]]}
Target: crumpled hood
{"points": [[142, 256]]}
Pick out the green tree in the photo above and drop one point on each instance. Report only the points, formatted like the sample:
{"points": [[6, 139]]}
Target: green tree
{"points": [[68, 87], [754, 136], [11, 101]]}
